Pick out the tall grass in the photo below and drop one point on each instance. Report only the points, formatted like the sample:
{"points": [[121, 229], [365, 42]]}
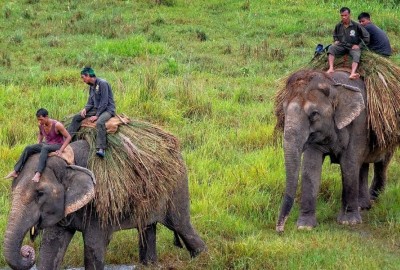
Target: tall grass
{"points": [[206, 71]]}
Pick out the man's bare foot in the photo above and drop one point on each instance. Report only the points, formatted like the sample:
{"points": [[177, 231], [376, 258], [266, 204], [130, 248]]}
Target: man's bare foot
{"points": [[354, 76], [329, 71], [36, 178], [12, 174]]}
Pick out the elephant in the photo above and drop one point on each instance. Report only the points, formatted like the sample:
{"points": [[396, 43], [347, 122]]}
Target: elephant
{"points": [[62, 203], [325, 115]]}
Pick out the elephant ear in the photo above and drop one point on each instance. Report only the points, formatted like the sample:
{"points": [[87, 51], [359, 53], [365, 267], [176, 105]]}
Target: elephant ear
{"points": [[349, 104], [80, 183]]}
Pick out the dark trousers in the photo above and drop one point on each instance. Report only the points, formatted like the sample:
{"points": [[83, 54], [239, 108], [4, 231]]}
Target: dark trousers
{"points": [[101, 138], [42, 148]]}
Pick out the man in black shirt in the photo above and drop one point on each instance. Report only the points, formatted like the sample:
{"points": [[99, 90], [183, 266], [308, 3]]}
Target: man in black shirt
{"points": [[100, 107], [348, 36], [379, 41]]}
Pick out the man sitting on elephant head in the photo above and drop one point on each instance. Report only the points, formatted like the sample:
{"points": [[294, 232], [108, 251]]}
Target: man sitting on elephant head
{"points": [[349, 37], [57, 139]]}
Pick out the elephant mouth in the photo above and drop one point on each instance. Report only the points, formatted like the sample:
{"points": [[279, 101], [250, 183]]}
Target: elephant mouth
{"points": [[34, 231]]}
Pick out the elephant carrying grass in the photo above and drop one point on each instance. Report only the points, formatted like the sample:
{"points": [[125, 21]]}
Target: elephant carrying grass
{"points": [[325, 115], [64, 201]]}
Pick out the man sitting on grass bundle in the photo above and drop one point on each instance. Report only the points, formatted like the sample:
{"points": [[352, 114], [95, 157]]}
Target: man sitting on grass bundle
{"points": [[349, 37]]}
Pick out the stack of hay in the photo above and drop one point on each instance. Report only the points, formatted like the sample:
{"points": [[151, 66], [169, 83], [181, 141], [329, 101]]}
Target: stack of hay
{"points": [[382, 81], [141, 168]]}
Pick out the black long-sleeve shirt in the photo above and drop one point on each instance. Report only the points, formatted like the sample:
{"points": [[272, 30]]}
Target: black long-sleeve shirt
{"points": [[379, 41], [101, 98]]}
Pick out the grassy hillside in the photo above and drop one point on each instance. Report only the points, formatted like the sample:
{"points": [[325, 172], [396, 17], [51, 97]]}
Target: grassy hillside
{"points": [[206, 71]]}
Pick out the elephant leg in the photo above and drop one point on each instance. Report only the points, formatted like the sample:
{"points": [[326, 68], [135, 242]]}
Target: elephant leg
{"points": [[95, 240], [184, 230], [363, 194], [310, 183], [350, 168], [147, 244], [177, 241], [380, 176], [55, 241]]}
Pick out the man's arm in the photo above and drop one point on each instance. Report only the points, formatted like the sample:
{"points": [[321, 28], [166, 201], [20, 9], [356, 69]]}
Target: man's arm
{"points": [[336, 34], [104, 90], [61, 129], [40, 136], [90, 103], [364, 35]]}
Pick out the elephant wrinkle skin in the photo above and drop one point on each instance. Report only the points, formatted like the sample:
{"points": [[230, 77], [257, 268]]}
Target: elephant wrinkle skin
{"points": [[47, 206], [325, 115]]}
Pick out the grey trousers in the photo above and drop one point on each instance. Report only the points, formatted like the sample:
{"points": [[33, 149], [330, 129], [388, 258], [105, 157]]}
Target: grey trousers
{"points": [[101, 138], [42, 148], [339, 50]]}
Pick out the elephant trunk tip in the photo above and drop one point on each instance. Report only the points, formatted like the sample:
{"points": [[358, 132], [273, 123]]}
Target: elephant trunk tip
{"points": [[28, 259]]}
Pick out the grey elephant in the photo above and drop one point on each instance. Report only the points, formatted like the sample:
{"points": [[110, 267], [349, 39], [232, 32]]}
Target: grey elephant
{"points": [[325, 115], [62, 203]]}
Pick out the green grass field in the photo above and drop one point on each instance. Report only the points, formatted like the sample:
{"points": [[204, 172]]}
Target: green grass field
{"points": [[207, 71]]}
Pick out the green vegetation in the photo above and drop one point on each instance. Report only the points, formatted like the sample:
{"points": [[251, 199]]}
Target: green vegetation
{"points": [[206, 71]]}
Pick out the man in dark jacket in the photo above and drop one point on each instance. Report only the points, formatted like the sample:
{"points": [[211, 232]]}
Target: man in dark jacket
{"points": [[379, 41], [100, 107], [348, 36]]}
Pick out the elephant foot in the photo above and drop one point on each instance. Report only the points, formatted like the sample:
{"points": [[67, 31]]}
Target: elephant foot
{"points": [[373, 194], [349, 218], [306, 222], [365, 204], [197, 252]]}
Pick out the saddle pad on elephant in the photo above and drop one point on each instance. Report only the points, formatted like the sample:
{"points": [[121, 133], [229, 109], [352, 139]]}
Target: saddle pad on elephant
{"points": [[111, 125], [67, 155]]}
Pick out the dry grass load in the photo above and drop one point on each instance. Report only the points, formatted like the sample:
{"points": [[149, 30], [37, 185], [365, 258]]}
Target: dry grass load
{"points": [[141, 168]]}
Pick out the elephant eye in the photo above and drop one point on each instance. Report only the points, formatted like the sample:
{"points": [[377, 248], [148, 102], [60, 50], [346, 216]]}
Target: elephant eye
{"points": [[39, 193], [314, 116]]}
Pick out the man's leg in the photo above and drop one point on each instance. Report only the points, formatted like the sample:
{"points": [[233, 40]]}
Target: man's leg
{"points": [[46, 149], [28, 151], [75, 124], [331, 60], [355, 54], [101, 140], [334, 50]]}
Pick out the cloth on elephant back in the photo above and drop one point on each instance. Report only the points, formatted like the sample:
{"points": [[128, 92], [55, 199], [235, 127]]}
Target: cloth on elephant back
{"points": [[67, 155], [382, 81], [141, 169], [111, 125]]}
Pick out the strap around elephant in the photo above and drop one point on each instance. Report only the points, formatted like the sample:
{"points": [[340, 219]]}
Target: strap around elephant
{"points": [[347, 86]]}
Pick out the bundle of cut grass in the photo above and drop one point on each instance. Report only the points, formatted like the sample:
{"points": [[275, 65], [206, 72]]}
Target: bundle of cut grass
{"points": [[382, 81], [140, 170]]}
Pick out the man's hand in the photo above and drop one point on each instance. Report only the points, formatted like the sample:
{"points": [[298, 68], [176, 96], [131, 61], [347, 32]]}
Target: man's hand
{"points": [[59, 152], [83, 113], [93, 118], [337, 42], [355, 47]]}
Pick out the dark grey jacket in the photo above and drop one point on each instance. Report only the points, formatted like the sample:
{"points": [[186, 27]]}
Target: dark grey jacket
{"points": [[100, 98]]}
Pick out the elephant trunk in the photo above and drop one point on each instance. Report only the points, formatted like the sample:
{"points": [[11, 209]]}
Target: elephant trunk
{"points": [[19, 223], [295, 136]]}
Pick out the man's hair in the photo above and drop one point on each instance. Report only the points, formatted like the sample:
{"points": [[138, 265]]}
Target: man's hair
{"points": [[88, 71], [364, 15], [42, 112], [343, 9]]}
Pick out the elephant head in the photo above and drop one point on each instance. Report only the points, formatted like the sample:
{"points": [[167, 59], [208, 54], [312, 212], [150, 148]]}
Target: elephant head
{"points": [[317, 110], [61, 190]]}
